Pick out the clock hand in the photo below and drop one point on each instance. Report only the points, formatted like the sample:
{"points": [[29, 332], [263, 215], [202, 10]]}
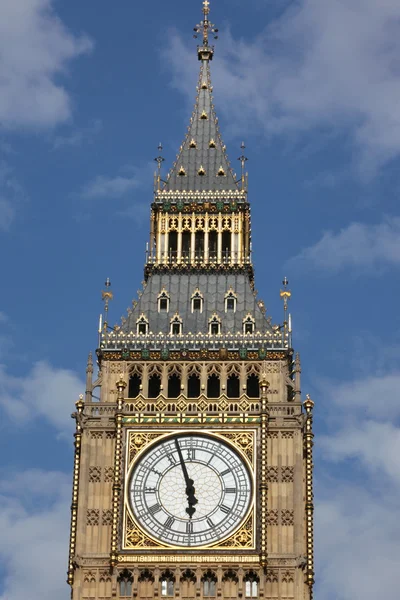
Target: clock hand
{"points": [[190, 489]]}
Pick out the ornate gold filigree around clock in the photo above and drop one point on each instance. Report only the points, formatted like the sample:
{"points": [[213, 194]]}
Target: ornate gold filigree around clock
{"points": [[242, 440], [137, 441], [135, 538], [243, 538]]}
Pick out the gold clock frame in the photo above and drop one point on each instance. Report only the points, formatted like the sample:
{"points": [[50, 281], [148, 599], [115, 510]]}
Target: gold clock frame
{"points": [[138, 442]]}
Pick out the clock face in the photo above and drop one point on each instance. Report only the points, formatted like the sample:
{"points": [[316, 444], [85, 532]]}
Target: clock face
{"points": [[190, 490]]}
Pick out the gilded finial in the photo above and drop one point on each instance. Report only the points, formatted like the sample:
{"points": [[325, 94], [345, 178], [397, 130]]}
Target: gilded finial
{"points": [[106, 296], [285, 295], [243, 159], [205, 28], [159, 160]]}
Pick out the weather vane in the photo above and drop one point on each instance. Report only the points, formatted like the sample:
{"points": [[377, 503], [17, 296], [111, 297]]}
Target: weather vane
{"points": [[243, 159], [205, 27]]}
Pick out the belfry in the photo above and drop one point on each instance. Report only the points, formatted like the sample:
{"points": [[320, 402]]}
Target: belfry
{"points": [[193, 449]]}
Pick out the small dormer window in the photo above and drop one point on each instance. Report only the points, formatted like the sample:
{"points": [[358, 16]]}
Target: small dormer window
{"points": [[248, 325], [193, 143], [163, 301], [142, 325], [230, 301], [212, 144], [176, 325], [215, 325], [197, 301]]}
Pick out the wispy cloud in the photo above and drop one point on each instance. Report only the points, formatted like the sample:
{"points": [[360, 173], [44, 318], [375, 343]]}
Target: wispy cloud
{"points": [[12, 194], [322, 63], [35, 48], [33, 395], [357, 526], [358, 245], [34, 509], [77, 137], [109, 187]]}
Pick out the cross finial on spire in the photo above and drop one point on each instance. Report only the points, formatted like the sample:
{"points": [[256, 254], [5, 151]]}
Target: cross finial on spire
{"points": [[205, 27]]}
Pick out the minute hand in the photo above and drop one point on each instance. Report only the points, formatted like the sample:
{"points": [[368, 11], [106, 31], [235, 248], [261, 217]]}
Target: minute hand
{"points": [[190, 489]]}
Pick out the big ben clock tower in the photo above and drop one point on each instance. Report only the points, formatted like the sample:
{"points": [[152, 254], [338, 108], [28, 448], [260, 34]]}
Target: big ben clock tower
{"points": [[193, 450]]}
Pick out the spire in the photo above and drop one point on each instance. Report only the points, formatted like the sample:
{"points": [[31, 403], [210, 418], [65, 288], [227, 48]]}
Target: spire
{"points": [[202, 163]]}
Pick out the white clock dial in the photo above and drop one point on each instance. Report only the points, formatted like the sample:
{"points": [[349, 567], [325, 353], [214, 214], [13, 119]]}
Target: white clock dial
{"points": [[190, 490]]}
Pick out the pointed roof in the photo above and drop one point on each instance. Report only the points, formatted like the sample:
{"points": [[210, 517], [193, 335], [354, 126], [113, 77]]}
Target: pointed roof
{"points": [[202, 163]]}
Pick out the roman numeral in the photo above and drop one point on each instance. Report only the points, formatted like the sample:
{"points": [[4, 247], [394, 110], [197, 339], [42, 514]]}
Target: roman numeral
{"points": [[149, 490], [171, 458], [154, 509], [189, 527], [191, 453], [225, 472], [169, 522], [210, 523], [155, 471], [230, 490], [225, 509]]}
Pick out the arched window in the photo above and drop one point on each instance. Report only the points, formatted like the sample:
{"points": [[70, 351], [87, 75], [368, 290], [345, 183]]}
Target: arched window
{"points": [[142, 325], [230, 301], [212, 245], [163, 301], [188, 584], [248, 324], [213, 386], [174, 385], [226, 245], [233, 386], [146, 581], [209, 581], [230, 582], [176, 325], [125, 580], [199, 244], [167, 581], [135, 381], [253, 386], [197, 301], [154, 385], [186, 239], [214, 325], [193, 386], [251, 581], [172, 244]]}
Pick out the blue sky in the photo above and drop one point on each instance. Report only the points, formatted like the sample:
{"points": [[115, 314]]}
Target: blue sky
{"points": [[87, 91]]}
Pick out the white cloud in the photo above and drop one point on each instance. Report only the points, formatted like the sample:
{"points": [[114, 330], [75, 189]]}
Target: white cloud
{"points": [[35, 49], [323, 63], [358, 537], [109, 187], [34, 524], [45, 391], [358, 245], [12, 195], [76, 137], [357, 527]]}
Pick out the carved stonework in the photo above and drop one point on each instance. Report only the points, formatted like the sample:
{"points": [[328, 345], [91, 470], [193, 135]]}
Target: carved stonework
{"points": [[272, 474], [92, 517], [287, 517], [287, 474], [94, 474], [96, 435], [108, 474], [273, 517], [107, 517]]}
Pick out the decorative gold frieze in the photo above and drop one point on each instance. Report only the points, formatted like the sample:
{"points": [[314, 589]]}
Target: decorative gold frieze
{"points": [[243, 538]]}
